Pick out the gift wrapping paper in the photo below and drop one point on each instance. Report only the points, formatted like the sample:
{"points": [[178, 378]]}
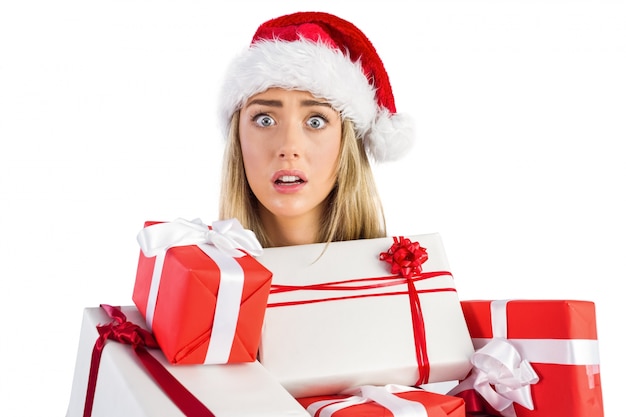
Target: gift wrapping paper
{"points": [[534, 358], [337, 317], [384, 401], [204, 305], [124, 388]]}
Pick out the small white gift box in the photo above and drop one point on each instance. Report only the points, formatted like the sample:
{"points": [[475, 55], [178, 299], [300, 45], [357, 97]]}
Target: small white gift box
{"points": [[124, 388]]}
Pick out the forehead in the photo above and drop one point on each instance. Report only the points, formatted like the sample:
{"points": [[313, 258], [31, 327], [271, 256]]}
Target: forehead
{"points": [[282, 94]]}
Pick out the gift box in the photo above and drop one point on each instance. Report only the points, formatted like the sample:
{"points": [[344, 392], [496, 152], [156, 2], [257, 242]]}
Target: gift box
{"points": [[534, 358], [338, 317], [381, 401], [125, 388], [202, 297]]}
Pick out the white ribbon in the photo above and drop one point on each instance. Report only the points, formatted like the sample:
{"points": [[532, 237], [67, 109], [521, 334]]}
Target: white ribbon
{"points": [[221, 243], [501, 376], [227, 305], [382, 395], [555, 351], [227, 235]]}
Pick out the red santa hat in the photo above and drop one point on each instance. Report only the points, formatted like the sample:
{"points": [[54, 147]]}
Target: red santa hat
{"points": [[330, 58]]}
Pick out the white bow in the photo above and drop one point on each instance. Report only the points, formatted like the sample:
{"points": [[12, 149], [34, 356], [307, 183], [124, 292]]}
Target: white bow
{"points": [[382, 395], [501, 377], [227, 235]]}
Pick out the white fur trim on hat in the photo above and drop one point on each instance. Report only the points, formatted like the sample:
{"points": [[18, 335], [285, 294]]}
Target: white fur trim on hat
{"points": [[325, 72]]}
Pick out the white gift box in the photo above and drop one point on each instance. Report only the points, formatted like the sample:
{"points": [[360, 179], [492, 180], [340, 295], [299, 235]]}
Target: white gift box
{"points": [[352, 337], [124, 388]]}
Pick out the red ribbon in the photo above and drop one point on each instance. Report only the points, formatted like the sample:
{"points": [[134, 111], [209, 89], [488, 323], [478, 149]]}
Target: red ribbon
{"points": [[406, 259], [475, 404], [123, 331], [354, 285]]}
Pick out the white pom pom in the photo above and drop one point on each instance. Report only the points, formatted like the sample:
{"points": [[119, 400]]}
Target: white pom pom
{"points": [[390, 137]]}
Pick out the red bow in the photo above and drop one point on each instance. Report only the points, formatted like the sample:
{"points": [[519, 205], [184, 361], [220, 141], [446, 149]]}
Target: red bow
{"points": [[406, 257], [123, 331]]}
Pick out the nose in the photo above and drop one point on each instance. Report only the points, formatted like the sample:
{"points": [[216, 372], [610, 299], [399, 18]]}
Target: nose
{"points": [[291, 141]]}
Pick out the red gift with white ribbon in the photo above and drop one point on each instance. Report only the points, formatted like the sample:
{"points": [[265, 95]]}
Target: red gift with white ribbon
{"points": [[201, 290], [389, 400], [534, 358]]}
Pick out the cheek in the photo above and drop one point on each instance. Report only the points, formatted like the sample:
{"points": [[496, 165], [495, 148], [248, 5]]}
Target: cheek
{"points": [[251, 151], [252, 159], [328, 157]]}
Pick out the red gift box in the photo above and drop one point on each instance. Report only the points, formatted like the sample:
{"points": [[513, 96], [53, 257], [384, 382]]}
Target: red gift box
{"points": [[384, 401], [534, 358], [204, 305]]}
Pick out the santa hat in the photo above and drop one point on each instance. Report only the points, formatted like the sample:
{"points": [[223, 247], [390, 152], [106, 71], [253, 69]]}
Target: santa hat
{"points": [[330, 58]]}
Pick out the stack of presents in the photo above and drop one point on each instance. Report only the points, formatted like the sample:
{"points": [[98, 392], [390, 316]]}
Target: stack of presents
{"points": [[372, 327]]}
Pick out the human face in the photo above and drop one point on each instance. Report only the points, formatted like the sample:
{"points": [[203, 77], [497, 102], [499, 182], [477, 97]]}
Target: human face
{"points": [[290, 143]]}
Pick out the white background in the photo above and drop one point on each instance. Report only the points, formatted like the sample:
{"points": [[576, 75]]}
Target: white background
{"points": [[107, 119]]}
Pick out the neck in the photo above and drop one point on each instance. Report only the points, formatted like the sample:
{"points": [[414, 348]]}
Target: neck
{"points": [[291, 231]]}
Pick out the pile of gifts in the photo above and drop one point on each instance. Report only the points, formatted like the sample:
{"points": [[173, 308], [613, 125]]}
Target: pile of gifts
{"points": [[372, 327]]}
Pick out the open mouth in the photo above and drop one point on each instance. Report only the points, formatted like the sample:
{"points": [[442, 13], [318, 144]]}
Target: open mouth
{"points": [[289, 180]]}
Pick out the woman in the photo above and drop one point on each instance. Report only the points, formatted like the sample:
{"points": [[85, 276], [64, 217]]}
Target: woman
{"points": [[304, 109]]}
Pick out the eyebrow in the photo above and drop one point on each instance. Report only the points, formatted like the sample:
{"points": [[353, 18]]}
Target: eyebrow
{"points": [[311, 103], [278, 103]]}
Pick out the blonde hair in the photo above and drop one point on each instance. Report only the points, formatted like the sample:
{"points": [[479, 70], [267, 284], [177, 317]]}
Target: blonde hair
{"points": [[353, 207]]}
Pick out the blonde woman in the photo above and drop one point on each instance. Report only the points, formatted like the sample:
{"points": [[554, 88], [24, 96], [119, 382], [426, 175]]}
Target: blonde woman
{"points": [[305, 109]]}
